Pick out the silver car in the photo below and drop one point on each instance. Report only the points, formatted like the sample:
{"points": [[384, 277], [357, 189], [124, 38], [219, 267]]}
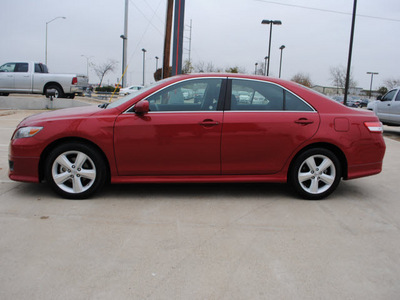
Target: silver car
{"points": [[387, 108]]}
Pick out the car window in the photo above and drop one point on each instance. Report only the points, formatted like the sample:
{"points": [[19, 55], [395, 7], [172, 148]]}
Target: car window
{"points": [[389, 96], [9, 67], [398, 96], [21, 67], [190, 95], [256, 95]]}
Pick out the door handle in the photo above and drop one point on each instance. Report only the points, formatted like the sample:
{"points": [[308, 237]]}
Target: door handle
{"points": [[209, 123], [304, 121]]}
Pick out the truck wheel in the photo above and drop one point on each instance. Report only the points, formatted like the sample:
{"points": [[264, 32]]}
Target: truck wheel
{"points": [[75, 171], [4, 94], [70, 96], [59, 91]]}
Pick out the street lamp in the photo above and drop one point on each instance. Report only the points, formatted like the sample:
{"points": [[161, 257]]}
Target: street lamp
{"points": [[144, 57], [156, 63], [87, 64], [255, 70], [265, 65], [270, 22], [280, 65], [372, 77], [47, 23], [124, 50]]}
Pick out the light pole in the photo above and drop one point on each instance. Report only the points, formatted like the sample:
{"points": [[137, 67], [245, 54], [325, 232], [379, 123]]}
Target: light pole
{"points": [[265, 65], [255, 70], [372, 78], [47, 23], [156, 63], [124, 48], [87, 64], [144, 58], [270, 22], [280, 65]]}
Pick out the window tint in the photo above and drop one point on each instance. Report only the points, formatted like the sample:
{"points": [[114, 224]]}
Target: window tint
{"points": [[21, 67], [190, 95], [10, 67], [389, 96], [398, 96], [256, 95], [294, 103], [41, 68]]}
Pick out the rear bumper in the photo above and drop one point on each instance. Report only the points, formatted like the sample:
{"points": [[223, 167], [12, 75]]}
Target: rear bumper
{"points": [[357, 171]]}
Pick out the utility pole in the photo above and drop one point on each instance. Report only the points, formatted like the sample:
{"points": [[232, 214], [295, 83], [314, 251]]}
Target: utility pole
{"points": [[353, 22], [167, 39], [179, 17], [124, 38]]}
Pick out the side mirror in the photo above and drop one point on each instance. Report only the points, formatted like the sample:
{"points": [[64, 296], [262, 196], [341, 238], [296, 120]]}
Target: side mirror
{"points": [[142, 107], [379, 98]]}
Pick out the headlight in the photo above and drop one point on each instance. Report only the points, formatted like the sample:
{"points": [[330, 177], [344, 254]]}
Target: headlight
{"points": [[25, 132]]}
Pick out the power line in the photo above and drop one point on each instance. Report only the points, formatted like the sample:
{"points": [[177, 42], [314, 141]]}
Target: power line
{"points": [[327, 10]]}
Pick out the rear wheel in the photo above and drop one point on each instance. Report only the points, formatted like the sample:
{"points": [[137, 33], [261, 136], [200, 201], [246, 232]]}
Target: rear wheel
{"points": [[75, 171], [59, 91], [315, 173]]}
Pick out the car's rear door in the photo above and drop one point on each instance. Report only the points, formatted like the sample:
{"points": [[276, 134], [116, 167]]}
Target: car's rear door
{"points": [[260, 133], [181, 135]]}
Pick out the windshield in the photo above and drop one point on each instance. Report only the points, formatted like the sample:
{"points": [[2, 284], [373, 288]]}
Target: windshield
{"points": [[136, 93]]}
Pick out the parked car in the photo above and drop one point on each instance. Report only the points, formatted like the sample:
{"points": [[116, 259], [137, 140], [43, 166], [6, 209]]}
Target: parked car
{"points": [[387, 108], [130, 89], [34, 78], [296, 136]]}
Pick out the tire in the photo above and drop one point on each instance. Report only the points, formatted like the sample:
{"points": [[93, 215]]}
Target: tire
{"points": [[4, 94], [315, 173], [70, 96], [59, 91], [75, 171]]}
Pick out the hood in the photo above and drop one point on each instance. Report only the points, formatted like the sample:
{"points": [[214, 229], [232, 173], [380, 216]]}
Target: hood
{"points": [[70, 113]]}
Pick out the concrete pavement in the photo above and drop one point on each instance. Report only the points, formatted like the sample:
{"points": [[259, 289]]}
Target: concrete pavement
{"points": [[203, 241]]}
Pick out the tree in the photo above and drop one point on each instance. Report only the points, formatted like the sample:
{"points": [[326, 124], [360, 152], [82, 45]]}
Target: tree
{"points": [[338, 77], [391, 83], [303, 79], [382, 90], [102, 69], [187, 67]]}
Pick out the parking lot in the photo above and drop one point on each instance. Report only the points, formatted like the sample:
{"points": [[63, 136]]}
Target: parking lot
{"points": [[200, 241]]}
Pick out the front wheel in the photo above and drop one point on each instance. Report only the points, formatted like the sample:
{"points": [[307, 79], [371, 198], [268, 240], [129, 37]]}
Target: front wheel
{"points": [[75, 171], [315, 173]]}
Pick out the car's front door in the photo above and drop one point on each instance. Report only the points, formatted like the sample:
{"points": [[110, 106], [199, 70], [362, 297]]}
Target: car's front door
{"points": [[181, 135], [263, 126]]}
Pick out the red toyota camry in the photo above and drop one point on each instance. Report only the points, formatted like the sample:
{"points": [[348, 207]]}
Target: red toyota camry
{"points": [[201, 128]]}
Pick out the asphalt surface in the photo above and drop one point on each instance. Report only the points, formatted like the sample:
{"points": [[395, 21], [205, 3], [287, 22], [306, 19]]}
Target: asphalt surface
{"points": [[200, 241]]}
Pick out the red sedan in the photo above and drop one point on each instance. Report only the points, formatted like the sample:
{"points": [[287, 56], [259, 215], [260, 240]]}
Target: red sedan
{"points": [[201, 128]]}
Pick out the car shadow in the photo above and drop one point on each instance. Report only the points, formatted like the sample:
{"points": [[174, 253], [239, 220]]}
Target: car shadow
{"points": [[198, 190], [392, 133]]}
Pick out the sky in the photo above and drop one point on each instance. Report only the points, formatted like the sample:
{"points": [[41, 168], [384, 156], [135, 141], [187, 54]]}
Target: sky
{"points": [[226, 33]]}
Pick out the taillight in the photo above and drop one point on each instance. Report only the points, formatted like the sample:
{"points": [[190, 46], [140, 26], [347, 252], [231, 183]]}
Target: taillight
{"points": [[374, 126], [75, 80]]}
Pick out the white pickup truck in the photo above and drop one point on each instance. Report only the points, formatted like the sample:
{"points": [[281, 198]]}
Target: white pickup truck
{"points": [[387, 108], [34, 78]]}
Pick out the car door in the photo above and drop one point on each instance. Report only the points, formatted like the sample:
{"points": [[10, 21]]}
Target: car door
{"points": [[264, 128], [383, 107], [180, 135], [7, 77], [395, 109], [22, 78]]}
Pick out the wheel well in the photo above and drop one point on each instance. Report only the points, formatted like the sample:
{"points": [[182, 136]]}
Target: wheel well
{"points": [[52, 83], [337, 151], [56, 143]]}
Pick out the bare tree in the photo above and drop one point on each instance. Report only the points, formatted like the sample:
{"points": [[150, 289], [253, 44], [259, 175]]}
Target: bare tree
{"points": [[338, 77], [391, 83], [102, 69], [303, 79]]}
